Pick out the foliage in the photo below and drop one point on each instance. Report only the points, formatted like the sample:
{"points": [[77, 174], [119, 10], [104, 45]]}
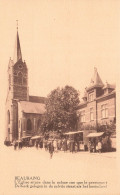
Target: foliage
{"points": [[107, 127], [87, 127], [61, 107]]}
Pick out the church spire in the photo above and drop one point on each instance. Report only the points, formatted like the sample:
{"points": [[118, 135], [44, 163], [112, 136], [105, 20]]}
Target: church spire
{"points": [[17, 52]]}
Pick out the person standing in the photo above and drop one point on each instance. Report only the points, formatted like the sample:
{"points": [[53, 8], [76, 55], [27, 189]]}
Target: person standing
{"points": [[59, 144], [37, 143], [51, 149], [41, 143], [21, 143], [55, 145], [45, 144], [72, 145], [89, 146], [68, 144], [99, 146], [15, 144], [65, 145], [30, 143]]}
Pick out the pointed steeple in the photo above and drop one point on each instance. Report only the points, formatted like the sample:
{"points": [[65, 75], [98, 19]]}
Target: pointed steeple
{"points": [[96, 80], [17, 52]]}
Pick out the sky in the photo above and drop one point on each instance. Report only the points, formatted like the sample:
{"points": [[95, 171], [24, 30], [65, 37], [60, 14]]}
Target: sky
{"points": [[61, 41]]}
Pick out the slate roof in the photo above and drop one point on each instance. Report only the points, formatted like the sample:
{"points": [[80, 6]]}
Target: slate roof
{"points": [[17, 52], [37, 99], [31, 107], [96, 80]]}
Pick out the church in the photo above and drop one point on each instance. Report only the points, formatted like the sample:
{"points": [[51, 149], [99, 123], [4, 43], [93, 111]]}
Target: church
{"points": [[23, 112]]}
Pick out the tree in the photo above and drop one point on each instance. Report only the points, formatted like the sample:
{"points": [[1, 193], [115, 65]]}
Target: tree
{"points": [[61, 107]]}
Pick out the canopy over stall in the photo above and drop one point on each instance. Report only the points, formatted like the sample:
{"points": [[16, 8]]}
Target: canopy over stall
{"points": [[25, 137], [76, 135], [36, 137], [95, 134], [73, 132]]}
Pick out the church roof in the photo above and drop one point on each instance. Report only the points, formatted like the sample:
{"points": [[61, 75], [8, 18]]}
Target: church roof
{"points": [[37, 99], [30, 107], [17, 51], [96, 80]]}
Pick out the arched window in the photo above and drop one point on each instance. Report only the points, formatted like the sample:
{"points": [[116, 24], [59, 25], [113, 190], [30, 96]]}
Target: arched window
{"points": [[29, 125], [39, 124], [8, 116], [20, 78]]}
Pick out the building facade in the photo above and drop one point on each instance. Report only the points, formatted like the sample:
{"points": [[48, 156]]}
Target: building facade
{"points": [[97, 111], [23, 112]]}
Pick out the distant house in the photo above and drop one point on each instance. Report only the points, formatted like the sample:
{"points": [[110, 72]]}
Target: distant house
{"points": [[97, 111]]}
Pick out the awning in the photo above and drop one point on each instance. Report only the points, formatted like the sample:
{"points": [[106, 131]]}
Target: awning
{"points": [[73, 132], [18, 141], [95, 134], [26, 137], [36, 137]]}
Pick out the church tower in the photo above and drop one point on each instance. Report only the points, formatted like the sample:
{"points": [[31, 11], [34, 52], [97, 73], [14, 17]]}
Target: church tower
{"points": [[17, 90], [18, 75]]}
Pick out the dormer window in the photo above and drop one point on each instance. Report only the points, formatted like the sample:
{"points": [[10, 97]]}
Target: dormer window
{"points": [[91, 97]]}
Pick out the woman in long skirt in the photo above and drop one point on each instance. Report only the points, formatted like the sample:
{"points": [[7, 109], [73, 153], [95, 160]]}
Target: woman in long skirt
{"points": [[51, 149]]}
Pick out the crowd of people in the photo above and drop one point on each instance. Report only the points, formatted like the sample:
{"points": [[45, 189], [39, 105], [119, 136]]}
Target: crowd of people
{"points": [[55, 145], [65, 144], [95, 147], [52, 145], [18, 144], [100, 145]]}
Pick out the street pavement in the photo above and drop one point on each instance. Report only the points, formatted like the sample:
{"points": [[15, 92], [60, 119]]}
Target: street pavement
{"points": [[64, 166]]}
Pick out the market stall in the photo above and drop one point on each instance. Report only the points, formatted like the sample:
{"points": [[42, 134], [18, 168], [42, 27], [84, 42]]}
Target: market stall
{"points": [[25, 140], [95, 141], [76, 140], [36, 139]]}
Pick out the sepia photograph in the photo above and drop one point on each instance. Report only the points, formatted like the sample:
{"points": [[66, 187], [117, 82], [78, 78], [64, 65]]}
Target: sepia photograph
{"points": [[59, 84]]}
